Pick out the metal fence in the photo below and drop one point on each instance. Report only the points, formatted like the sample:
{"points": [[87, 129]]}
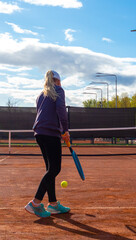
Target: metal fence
{"points": [[102, 118], [22, 118]]}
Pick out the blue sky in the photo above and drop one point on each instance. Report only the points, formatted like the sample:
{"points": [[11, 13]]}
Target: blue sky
{"points": [[77, 38]]}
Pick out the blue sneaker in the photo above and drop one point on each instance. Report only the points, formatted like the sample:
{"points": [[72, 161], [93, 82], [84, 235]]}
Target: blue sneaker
{"points": [[38, 211], [57, 209]]}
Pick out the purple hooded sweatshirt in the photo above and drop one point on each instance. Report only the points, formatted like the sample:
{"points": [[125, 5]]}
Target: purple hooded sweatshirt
{"points": [[51, 116]]}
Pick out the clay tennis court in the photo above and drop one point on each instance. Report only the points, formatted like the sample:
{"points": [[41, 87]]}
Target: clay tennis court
{"points": [[103, 207]]}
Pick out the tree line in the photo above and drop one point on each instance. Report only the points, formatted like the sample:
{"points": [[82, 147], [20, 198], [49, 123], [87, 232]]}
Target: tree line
{"points": [[123, 101]]}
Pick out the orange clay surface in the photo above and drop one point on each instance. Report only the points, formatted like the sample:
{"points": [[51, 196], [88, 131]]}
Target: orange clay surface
{"points": [[103, 207]]}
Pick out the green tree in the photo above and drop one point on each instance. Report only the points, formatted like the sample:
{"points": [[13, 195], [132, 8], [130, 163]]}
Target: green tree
{"points": [[112, 103], [104, 103], [125, 101], [133, 100], [90, 103]]}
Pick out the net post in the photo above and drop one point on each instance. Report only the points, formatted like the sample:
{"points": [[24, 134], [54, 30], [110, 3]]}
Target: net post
{"points": [[126, 140], [68, 114], [71, 140], [9, 141], [92, 140]]}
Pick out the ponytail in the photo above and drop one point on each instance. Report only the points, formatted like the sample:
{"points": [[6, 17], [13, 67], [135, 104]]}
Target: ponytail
{"points": [[49, 86]]}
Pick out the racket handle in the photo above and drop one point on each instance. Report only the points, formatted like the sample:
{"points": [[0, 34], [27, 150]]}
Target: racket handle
{"points": [[67, 142]]}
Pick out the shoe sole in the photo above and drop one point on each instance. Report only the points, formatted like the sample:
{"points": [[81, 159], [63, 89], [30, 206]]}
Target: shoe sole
{"points": [[30, 210], [54, 213]]}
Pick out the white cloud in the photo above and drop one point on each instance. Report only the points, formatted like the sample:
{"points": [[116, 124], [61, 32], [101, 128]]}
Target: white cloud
{"points": [[76, 65], [3, 74], [74, 97], [26, 96], [9, 68], [7, 43], [8, 8], [55, 3], [10, 45], [17, 29], [23, 82], [4, 86], [106, 39], [30, 52], [68, 34], [73, 81], [23, 89]]}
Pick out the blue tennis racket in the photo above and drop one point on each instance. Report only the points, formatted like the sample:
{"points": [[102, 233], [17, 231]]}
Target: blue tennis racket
{"points": [[77, 162]]}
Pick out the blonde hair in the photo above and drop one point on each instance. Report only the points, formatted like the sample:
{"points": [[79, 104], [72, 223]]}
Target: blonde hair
{"points": [[49, 86]]}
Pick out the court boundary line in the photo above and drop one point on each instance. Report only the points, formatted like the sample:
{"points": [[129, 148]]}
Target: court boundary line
{"points": [[8, 155], [86, 208], [4, 158], [69, 155]]}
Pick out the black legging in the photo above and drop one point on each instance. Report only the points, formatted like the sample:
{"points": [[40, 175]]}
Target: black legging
{"points": [[51, 151]]}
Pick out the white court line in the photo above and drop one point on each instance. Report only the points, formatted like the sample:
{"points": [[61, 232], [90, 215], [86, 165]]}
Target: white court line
{"points": [[86, 208], [97, 208], [3, 159], [130, 157]]}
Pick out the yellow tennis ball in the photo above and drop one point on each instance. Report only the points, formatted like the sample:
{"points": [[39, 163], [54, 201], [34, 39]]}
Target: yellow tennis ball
{"points": [[64, 184]]}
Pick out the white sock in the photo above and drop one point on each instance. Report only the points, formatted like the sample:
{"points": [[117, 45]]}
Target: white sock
{"points": [[35, 204], [53, 204]]}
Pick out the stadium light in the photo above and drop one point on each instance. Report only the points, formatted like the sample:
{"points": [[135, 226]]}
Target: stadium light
{"points": [[97, 89], [107, 90], [92, 93], [112, 75]]}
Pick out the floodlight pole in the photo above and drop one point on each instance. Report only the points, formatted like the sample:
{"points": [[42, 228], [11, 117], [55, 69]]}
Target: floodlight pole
{"points": [[92, 93], [97, 89], [107, 74], [107, 90]]}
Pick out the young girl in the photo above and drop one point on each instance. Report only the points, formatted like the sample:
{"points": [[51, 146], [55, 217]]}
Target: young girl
{"points": [[50, 122]]}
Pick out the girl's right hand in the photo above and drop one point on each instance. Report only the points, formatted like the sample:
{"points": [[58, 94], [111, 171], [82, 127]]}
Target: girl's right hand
{"points": [[66, 136]]}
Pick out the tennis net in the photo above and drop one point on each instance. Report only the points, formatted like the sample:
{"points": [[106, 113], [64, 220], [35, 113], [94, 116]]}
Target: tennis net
{"points": [[85, 137]]}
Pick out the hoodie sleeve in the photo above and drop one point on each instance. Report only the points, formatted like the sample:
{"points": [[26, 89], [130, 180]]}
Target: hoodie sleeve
{"points": [[61, 109]]}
